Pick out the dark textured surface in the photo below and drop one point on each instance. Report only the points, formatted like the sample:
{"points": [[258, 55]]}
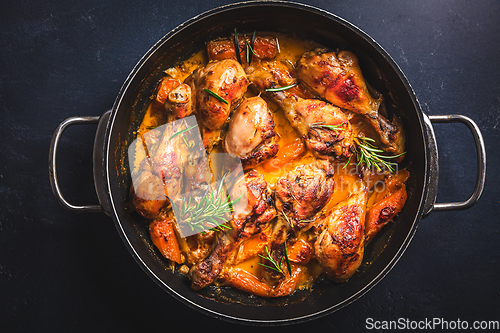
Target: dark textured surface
{"points": [[60, 271]]}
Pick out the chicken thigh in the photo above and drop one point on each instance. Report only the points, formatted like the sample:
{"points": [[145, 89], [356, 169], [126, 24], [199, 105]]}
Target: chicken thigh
{"points": [[225, 78], [339, 247], [251, 135], [304, 191]]}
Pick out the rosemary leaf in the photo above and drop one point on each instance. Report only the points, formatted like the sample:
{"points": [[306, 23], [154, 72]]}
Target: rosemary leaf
{"points": [[269, 257], [248, 51], [282, 88], [336, 128], [288, 265], [237, 46], [347, 163], [367, 153], [216, 96], [180, 132], [252, 42]]}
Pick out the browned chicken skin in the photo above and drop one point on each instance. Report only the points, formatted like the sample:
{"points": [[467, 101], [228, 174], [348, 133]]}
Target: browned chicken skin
{"points": [[338, 79], [225, 78], [249, 217], [339, 247], [310, 117], [148, 194], [251, 135], [179, 101], [389, 202], [304, 191]]}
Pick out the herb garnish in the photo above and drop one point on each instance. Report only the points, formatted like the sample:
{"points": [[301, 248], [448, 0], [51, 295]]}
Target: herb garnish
{"points": [[369, 154], [210, 212], [180, 132], [276, 267], [322, 124], [288, 265], [237, 46], [252, 43], [250, 51], [216, 96], [282, 88], [287, 220]]}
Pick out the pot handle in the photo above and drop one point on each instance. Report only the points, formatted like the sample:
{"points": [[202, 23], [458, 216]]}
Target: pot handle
{"points": [[481, 163], [54, 143]]}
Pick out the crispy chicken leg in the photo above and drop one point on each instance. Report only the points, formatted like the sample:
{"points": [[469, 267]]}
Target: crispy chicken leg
{"points": [[227, 79], [340, 246], [304, 191], [251, 135], [338, 79]]}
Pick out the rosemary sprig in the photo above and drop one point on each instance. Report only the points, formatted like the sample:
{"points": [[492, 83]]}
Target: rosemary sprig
{"points": [[287, 219], [288, 265], [269, 257], [210, 92], [369, 154], [210, 212], [249, 47], [180, 132], [322, 124], [252, 43], [282, 88], [276, 267], [237, 46]]}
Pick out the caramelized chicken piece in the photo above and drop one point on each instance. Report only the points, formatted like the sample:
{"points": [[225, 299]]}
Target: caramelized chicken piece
{"points": [[167, 160], [148, 194], [164, 88], [304, 191], [227, 79], [265, 47], [251, 135], [338, 79], [249, 217], [163, 236], [340, 246], [159, 173], [197, 247], [300, 252], [179, 102], [387, 203], [324, 128], [272, 234]]}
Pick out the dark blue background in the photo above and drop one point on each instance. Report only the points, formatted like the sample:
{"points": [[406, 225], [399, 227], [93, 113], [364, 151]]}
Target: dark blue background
{"points": [[60, 271]]}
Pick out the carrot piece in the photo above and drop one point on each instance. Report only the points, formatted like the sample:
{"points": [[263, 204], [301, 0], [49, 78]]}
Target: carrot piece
{"points": [[286, 154], [164, 88], [163, 236], [300, 252], [265, 47], [383, 212], [243, 280]]}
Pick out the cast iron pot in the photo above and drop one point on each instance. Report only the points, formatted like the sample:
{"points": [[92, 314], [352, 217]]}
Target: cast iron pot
{"points": [[114, 133]]}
